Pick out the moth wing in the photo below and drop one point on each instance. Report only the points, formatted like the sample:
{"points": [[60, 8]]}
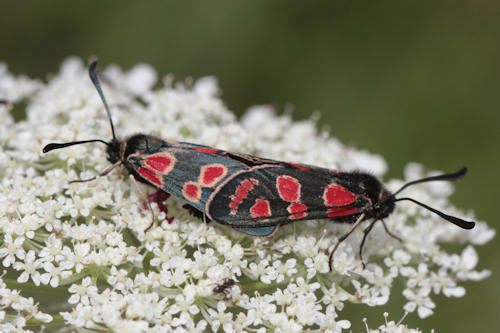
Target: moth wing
{"points": [[259, 231], [245, 159], [274, 195], [190, 172]]}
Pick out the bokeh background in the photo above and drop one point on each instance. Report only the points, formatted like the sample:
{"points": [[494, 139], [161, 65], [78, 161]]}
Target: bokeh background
{"points": [[410, 80]]}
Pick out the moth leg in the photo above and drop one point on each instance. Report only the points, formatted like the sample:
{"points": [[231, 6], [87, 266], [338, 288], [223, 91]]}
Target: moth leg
{"points": [[343, 237], [390, 233], [145, 198], [104, 173], [365, 232]]}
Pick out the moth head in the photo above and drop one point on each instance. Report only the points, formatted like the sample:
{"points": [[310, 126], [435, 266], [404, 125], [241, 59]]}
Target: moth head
{"points": [[384, 205]]}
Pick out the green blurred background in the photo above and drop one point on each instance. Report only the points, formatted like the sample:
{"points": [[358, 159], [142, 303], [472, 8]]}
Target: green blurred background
{"points": [[410, 80]]}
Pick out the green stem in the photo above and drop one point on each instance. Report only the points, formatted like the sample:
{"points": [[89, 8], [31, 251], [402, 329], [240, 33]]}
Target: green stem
{"points": [[12, 284], [58, 319], [258, 285]]}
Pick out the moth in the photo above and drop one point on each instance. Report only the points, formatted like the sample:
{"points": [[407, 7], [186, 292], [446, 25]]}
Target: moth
{"points": [[251, 194]]}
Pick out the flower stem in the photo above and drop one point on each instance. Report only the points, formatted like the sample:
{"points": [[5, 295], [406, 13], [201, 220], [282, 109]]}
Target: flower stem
{"points": [[12, 284]]}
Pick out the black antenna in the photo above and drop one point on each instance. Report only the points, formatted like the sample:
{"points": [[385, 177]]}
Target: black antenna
{"points": [[455, 220], [447, 177], [97, 84], [52, 146]]}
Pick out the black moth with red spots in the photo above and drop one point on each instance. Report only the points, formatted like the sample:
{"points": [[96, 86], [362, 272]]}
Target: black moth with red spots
{"points": [[251, 194]]}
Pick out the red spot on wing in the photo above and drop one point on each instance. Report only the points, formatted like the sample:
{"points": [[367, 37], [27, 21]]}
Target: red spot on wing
{"points": [[341, 211], [191, 191], [211, 174], [207, 150], [336, 195], [241, 193], [261, 208], [247, 184], [162, 162], [298, 166], [238, 200], [297, 210], [288, 188], [150, 175]]}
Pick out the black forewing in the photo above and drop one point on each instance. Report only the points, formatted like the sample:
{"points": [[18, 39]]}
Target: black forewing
{"points": [[313, 182]]}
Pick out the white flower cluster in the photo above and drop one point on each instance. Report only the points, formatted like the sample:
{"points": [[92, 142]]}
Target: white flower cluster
{"points": [[86, 241]]}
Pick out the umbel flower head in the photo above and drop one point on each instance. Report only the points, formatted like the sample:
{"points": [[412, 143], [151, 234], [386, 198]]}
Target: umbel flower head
{"points": [[86, 242]]}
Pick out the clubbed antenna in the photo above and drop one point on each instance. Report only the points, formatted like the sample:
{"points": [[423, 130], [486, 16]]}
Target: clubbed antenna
{"points": [[445, 177], [97, 84], [52, 146], [455, 220]]}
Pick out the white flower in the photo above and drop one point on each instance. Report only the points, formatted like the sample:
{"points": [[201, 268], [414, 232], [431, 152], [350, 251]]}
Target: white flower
{"points": [[203, 262], [283, 297], [263, 270], [370, 297], [11, 249], [393, 327], [184, 305], [442, 281], [200, 326], [235, 256], [119, 279], [481, 234], [284, 269], [88, 239], [306, 246], [52, 250], [343, 263], [30, 267], [399, 259], [417, 277], [81, 316], [14, 88], [26, 306], [335, 297], [220, 318], [468, 262], [331, 325], [82, 292], [312, 314], [285, 324], [317, 264], [54, 274], [78, 258], [420, 301], [259, 310], [381, 282]]}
